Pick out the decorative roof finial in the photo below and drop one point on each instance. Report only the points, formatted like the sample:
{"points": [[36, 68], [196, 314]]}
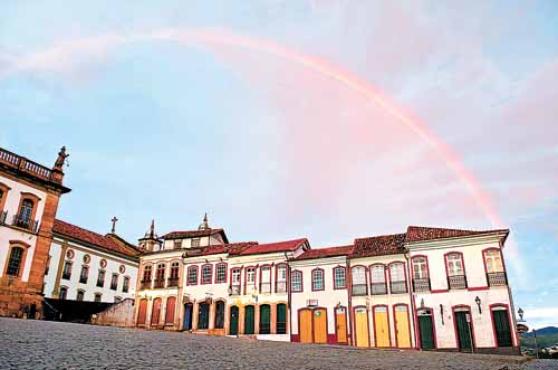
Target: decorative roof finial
{"points": [[114, 220], [152, 229], [205, 224], [62, 158]]}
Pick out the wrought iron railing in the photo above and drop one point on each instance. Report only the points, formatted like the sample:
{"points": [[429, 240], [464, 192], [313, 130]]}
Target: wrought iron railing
{"points": [[83, 279], [359, 289], [280, 287], [25, 223], [145, 284], [66, 275], [378, 288], [421, 285], [172, 282], [3, 217], [397, 287], [159, 283], [497, 278], [457, 282], [265, 287]]}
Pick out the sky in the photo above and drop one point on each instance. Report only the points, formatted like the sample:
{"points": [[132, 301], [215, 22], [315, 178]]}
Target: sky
{"points": [[326, 119]]}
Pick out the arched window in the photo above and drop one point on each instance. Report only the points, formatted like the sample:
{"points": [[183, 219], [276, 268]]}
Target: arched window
{"points": [[339, 279], [235, 281], [192, 275], [160, 276], [397, 282], [15, 261], [494, 266], [219, 315], [174, 271], [265, 279], [80, 295], [281, 278], [63, 292], [296, 281], [317, 279], [126, 284], [207, 274], [421, 279], [358, 274], [378, 279], [147, 273], [221, 273], [456, 271]]}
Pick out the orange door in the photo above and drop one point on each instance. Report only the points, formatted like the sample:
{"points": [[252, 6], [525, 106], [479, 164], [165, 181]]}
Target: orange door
{"points": [[156, 312], [142, 311], [341, 325], [320, 325], [381, 326], [305, 325], [361, 327], [402, 332], [169, 312]]}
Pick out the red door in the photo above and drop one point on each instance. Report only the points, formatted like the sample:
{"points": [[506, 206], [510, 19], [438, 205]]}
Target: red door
{"points": [[142, 311], [156, 312], [169, 315]]}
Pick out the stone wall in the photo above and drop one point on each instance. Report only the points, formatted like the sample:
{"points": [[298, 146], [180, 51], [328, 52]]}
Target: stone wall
{"points": [[119, 314]]}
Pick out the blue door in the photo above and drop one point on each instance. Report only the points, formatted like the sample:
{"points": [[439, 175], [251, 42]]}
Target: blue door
{"points": [[187, 317]]}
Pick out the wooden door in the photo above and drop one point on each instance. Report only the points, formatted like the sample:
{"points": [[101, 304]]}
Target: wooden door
{"points": [[169, 312], [381, 326], [265, 319], [341, 325], [361, 327], [305, 325], [426, 329], [320, 325], [142, 312], [463, 331], [402, 331], [233, 322], [501, 321], [249, 320], [156, 311], [187, 325], [203, 316]]}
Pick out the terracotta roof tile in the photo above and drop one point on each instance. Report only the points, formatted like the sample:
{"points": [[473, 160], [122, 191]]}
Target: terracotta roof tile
{"points": [[379, 245], [195, 234], [108, 242], [285, 246], [418, 233], [326, 252]]}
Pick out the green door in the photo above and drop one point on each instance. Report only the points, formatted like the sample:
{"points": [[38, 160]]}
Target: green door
{"points": [[281, 318], [249, 320], [233, 326], [265, 319], [463, 331], [502, 326], [426, 332]]}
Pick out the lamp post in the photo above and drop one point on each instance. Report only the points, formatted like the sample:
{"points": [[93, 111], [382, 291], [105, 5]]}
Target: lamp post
{"points": [[478, 302]]}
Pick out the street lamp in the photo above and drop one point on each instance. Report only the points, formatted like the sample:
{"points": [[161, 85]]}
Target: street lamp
{"points": [[478, 302], [520, 313]]}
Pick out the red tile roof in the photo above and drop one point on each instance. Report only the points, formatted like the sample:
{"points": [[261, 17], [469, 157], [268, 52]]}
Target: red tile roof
{"points": [[379, 245], [195, 234], [110, 243], [286, 246], [419, 233], [326, 252]]}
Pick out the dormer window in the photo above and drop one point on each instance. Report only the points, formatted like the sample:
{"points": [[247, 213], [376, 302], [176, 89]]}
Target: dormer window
{"points": [[177, 244], [195, 242]]}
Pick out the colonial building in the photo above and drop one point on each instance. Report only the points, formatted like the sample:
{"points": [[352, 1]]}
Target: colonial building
{"points": [[29, 195]]}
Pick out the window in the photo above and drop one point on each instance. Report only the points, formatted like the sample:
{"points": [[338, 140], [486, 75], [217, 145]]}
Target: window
{"points": [[126, 284], [317, 279], [67, 273], [221, 273], [195, 242], [160, 276], [101, 278], [378, 280], [359, 280], [421, 280], [494, 266], [98, 297], [250, 279], [63, 292], [14, 263], [174, 271], [192, 275], [235, 281], [265, 279], [47, 265], [220, 315], [296, 281], [177, 244], [281, 279], [80, 295], [398, 282], [339, 280], [207, 274], [114, 282], [147, 273], [25, 213], [84, 274], [456, 271]]}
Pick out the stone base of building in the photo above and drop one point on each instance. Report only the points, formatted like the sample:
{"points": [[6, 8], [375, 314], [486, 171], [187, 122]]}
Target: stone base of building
{"points": [[18, 300], [489, 350]]}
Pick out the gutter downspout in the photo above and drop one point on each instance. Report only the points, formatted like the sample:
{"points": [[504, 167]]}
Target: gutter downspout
{"points": [[350, 300], [289, 297], [412, 300]]}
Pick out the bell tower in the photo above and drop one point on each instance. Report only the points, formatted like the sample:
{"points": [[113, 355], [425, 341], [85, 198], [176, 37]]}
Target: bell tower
{"points": [[150, 242]]}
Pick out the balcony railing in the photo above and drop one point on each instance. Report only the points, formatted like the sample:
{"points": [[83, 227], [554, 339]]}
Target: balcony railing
{"points": [[457, 282], [359, 289], [397, 287], [235, 289], [421, 285], [280, 287], [172, 282], [497, 279], [25, 223], [3, 217], [145, 284], [15, 161], [378, 288], [159, 283], [265, 287]]}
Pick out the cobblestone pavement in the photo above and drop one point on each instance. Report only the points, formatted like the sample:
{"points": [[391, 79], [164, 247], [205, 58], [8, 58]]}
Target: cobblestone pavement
{"points": [[27, 344]]}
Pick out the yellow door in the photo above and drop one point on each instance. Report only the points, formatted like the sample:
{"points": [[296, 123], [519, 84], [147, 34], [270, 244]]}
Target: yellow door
{"points": [[341, 327], [361, 327], [402, 327], [381, 326], [320, 325], [305, 325]]}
